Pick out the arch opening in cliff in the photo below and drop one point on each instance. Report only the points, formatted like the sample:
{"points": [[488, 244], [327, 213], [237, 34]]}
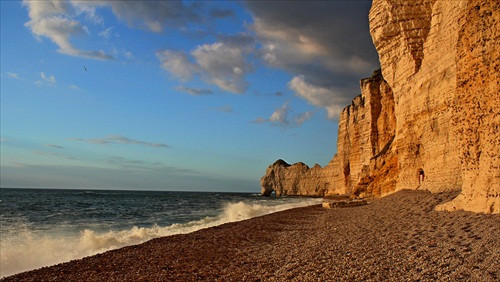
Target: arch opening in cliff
{"points": [[269, 193]]}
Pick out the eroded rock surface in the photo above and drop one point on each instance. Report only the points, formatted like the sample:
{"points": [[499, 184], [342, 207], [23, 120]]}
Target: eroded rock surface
{"points": [[429, 120], [366, 131], [476, 108]]}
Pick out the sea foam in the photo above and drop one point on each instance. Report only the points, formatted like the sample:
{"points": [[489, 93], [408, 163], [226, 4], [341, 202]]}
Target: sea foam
{"points": [[23, 250]]}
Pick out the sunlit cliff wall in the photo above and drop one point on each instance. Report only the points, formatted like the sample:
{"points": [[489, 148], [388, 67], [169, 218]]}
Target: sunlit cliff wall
{"points": [[366, 132], [430, 120], [476, 107]]}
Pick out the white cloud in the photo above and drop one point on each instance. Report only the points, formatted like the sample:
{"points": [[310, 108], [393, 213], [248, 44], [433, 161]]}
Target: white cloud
{"points": [[88, 8], [224, 65], [177, 63], [281, 117], [49, 79], [107, 33], [128, 55], [328, 98], [51, 19], [13, 75], [42, 9]]}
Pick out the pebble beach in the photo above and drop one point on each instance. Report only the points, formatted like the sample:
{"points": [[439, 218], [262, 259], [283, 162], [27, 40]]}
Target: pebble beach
{"points": [[395, 238]]}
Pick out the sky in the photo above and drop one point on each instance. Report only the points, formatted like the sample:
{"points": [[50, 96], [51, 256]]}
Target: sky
{"points": [[174, 95]]}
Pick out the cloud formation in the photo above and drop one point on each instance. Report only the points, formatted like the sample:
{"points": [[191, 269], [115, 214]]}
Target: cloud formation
{"points": [[158, 167], [194, 91], [118, 139], [332, 99], [52, 19], [282, 117], [319, 45], [177, 63], [50, 79], [324, 45], [154, 15], [225, 109], [59, 20], [54, 146], [223, 64], [14, 75]]}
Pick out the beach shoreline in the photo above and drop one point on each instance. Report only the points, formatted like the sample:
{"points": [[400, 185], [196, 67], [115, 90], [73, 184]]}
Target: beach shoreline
{"points": [[394, 238]]}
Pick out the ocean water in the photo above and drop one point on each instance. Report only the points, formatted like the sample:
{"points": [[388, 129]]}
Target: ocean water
{"points": [[41, 227]]}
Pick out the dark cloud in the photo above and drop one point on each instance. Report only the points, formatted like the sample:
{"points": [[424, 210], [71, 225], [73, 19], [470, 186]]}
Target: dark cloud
{"points": [[194, 91], [139, 165], [54, 146], [326, 45], [155, 15], [338, 28], [118, 139]]}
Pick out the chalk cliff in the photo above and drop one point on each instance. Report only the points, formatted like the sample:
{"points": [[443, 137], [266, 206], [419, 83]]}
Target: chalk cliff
{"points": [[430, 119], [366, 134]]}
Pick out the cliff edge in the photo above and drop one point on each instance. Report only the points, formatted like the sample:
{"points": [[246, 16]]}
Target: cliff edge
{"points": [[429, 119]]}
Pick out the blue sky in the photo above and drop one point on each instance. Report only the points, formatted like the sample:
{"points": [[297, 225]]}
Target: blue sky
{"points": [[184, 96]]}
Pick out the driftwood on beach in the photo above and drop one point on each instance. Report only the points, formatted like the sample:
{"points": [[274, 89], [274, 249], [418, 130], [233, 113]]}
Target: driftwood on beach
{"points": [[396, 238]]}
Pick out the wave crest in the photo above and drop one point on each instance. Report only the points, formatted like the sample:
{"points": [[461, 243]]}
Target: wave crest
{"points": [[25, 250]]}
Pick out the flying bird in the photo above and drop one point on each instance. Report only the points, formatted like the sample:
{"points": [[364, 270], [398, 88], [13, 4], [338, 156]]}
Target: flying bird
{"points": [[84, 68]]}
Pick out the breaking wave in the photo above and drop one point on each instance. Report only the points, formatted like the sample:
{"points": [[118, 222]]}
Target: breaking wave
{"points": [[24, 249]]}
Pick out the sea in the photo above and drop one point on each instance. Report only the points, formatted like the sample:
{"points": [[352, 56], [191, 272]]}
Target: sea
{"points": [[42, 227]]}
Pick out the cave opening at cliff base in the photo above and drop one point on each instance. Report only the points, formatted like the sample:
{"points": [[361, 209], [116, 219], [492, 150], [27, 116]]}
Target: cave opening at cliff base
{"points": [[421, 175]]}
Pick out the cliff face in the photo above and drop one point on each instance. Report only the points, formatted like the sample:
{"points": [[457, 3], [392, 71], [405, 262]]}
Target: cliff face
{"points": [[365, 137], [430, 119], [297, 180], [416, 42], [476, 108], [366, 132]]}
